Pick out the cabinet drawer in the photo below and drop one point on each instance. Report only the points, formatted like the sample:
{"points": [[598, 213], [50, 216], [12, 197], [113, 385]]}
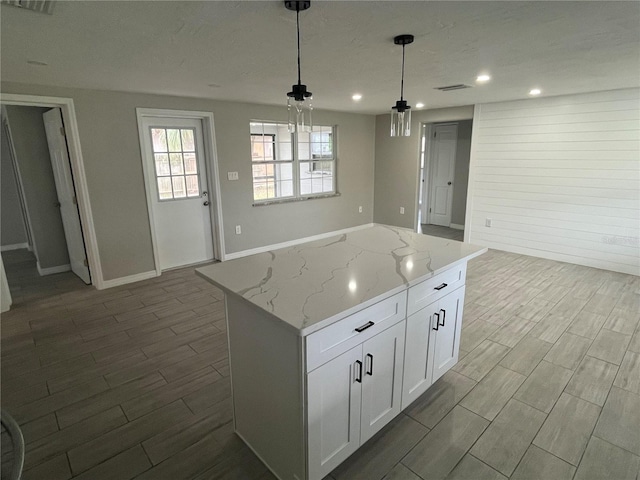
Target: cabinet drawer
{"points": [[429, 291], [345, 334]]}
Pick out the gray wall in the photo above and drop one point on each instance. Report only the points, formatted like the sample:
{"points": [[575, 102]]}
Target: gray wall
{"points": [[12, 227], [110, 146], [461, 173], [32, 152], [397, 165]]}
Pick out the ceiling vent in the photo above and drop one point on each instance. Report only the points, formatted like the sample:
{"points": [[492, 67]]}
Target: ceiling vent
{"points": [[448, 88], [40, 6]]}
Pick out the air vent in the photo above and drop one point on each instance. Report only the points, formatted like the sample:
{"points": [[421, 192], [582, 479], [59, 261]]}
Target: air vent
{"points": [[448, 88], [40, 6]]}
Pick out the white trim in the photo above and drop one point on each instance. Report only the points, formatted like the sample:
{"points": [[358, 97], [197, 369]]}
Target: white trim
{"points": [[52, 270], [138, 277], [213, 176], [472, 175], [291, 243], [15, 246], [67, 107], [455, 226]]}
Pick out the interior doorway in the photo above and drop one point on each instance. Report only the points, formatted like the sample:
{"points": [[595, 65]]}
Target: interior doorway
{"points": [[39, 201], [76, 169], [444, 176]]}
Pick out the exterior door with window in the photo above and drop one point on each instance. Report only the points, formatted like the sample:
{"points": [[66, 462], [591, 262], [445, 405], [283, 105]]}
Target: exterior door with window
{"points": [[177, 180]]}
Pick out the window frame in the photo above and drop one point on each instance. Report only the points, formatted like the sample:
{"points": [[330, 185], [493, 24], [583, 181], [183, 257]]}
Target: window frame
{"points": [[184, 175], [296, 164]]}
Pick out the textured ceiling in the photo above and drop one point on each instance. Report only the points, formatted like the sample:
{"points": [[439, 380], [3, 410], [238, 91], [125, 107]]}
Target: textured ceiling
{"points": [[245, 50]]}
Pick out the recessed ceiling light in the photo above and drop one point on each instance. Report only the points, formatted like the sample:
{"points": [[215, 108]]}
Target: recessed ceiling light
{"points": [[535, 91], [483, 78], [37, 62], [419, 105], [357, 97]]}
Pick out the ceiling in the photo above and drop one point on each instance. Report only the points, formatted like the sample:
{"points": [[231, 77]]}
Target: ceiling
{"points": [[245, 50]]}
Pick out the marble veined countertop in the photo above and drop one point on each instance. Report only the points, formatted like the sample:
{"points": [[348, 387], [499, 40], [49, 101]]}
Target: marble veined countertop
{"points": [[311, 285]]}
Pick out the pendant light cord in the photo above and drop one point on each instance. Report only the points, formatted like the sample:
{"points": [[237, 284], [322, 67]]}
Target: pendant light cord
{"points": [[402, 81], [298, 29]]}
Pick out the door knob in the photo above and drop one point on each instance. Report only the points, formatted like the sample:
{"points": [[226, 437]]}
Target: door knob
{"points": [[448, 183], [206, 203]]}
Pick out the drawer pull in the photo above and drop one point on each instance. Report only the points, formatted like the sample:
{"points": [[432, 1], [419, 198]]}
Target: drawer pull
{"points": [[364, 327], [444, 316], [440, 287], [437, 315], [359, 372], [370, 371]]}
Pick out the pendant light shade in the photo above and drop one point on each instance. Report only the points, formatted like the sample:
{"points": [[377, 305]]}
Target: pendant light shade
{"points": [[299, 99], [401, 112]]}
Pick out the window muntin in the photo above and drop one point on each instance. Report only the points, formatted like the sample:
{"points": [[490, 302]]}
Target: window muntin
{"points": [[291, 165], [176, 164]]}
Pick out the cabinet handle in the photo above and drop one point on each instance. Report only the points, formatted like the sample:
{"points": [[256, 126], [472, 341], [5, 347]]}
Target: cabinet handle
{"points": [[370, 357], [440, 287], [437, 315], [444, 316], [359, 371], [364, 327]]}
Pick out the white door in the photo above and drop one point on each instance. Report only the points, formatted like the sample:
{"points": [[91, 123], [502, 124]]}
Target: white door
{"points": [[66, 193], [176, 178], [442, 171], [382, 380], [447, 325], [334, 400]]}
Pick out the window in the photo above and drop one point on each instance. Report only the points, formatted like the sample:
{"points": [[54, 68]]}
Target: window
{"points": [[287, 165], [174, 154]]}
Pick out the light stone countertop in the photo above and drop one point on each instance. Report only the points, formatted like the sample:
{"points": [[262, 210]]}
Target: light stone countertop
{"points": [[314, 284]]}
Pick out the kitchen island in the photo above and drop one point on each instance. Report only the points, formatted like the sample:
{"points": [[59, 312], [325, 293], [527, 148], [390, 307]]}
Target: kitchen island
{"points": [[331, 339]]}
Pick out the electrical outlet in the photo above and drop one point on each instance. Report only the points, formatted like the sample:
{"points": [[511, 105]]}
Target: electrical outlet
{"points": [[401, 210], [360, 209], [232, 175], [487, 222], [238, 230]]}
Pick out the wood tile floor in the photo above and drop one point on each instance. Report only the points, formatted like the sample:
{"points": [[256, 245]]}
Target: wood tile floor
{"points": [[444, 232], [133, 382]]}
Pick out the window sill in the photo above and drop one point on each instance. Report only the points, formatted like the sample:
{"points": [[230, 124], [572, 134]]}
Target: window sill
{"points": [[297, 199]]}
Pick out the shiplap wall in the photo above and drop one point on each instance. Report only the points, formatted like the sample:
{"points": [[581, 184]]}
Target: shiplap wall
{"points": [[560, 178]]}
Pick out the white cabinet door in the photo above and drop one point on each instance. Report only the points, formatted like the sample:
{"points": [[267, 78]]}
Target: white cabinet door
{"points": [[418, 369], [446, 325], [382, 380], [334, 400]]}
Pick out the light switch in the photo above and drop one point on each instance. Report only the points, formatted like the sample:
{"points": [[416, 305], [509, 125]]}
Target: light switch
{"points": [[232, 175]]}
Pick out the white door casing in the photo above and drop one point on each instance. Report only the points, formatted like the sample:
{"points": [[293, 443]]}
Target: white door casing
{"points": [[182, 226], [443, 157], [66, 193]]}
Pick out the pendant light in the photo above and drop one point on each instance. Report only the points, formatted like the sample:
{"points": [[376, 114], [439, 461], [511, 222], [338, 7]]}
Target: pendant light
{"points": [[299, 99], [401, 112]]}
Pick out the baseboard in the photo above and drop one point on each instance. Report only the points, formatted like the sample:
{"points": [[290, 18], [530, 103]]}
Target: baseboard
{"points": [[455, 226], [15, 246], [291, 243], [138, 277], [52, 270]]}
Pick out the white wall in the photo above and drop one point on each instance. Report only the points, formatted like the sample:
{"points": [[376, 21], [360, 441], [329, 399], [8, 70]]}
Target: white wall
{"points": [[560, 178]]}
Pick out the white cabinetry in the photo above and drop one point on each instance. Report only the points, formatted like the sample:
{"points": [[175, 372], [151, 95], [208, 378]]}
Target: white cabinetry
{"points": [[352, 396], [433, 341]]}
